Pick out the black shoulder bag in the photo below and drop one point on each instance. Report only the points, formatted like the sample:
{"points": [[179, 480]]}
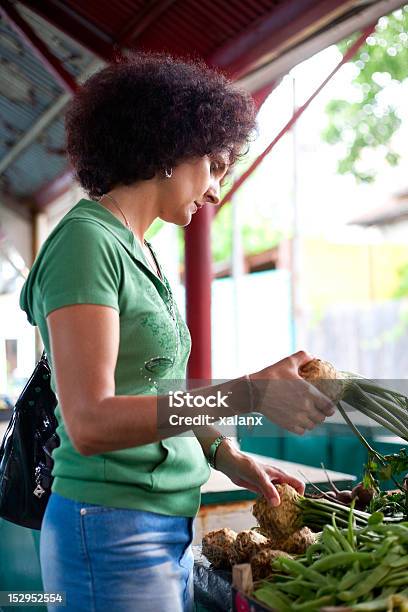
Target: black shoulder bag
{"points": [[25, 453]]}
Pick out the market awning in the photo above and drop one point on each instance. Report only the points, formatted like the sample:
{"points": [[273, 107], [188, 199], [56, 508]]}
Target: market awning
{"points": [[255, 41]]}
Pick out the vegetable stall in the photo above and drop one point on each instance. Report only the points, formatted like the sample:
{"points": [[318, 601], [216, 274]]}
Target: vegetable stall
{"points": [[329, 550]]}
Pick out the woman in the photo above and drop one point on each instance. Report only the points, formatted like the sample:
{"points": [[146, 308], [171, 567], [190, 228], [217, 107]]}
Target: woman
{"points": [[150, 137]]}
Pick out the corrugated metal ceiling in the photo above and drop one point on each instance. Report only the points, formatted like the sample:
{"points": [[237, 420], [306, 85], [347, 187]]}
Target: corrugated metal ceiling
{"points": [[28, 91]]}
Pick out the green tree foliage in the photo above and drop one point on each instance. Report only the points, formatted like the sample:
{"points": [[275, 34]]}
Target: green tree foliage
{"points": [[402, 290], [367, 122], [221, 234], [258, 235]]}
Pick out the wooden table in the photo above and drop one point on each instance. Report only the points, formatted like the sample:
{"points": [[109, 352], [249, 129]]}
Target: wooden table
{"points": [[224, 504]]}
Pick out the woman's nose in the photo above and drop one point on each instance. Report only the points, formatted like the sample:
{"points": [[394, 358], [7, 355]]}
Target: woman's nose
{"points": [[212, 197]]}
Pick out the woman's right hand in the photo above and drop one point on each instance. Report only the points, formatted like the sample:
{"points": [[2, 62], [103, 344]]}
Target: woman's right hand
{"points": [[288, 400]]}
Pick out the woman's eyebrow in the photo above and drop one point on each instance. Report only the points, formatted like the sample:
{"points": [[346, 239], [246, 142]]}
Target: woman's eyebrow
{"points": [[222, 162]]}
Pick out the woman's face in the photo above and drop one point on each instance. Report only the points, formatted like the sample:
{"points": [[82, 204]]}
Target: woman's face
{"points": [[193, 184]]}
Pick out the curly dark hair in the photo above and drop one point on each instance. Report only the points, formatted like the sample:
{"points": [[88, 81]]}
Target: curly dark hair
{"points": [[150, 111]]}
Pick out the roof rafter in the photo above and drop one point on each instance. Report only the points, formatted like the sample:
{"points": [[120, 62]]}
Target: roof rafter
{"points": [[142, 21], [38, 47]]}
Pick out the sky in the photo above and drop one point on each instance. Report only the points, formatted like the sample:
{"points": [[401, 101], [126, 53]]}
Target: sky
{"points": [[326, 200]]}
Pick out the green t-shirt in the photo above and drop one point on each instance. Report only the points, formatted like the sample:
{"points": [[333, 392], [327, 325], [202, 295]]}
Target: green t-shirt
{"points": [[92, 258]]}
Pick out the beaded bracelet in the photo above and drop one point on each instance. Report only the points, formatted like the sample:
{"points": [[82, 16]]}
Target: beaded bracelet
{"points": [[213, 450]]}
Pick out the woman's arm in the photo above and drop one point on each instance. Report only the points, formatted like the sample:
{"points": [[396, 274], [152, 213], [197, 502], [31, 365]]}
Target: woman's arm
{"points": [[84, 345], [250, 474], [245, 471]]}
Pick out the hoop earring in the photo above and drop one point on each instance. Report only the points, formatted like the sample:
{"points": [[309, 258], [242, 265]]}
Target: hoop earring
{"points": [[168, 173]]}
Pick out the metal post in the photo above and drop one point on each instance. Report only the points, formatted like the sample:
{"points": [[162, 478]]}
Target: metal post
{"points": [[296, 245], [198, 279], [236, 277]]}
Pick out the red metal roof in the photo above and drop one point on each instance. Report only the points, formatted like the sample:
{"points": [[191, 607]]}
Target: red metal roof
{"points": [[253, 40], [228, 33]]}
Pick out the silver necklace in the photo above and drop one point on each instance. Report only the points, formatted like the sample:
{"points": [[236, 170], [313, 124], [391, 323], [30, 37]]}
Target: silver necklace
{"points": [[170, 303], [129, 227]]}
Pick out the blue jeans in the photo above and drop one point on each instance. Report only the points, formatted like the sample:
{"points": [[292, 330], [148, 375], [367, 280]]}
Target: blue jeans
{"points": [[116, 560]]}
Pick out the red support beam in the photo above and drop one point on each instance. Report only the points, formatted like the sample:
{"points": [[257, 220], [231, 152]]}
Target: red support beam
{"points": [[347, 56], [30, 38], [198, 280]]}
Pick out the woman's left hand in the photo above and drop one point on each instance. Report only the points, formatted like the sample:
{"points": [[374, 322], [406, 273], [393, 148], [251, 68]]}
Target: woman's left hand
{"points": [[248, 473]]}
